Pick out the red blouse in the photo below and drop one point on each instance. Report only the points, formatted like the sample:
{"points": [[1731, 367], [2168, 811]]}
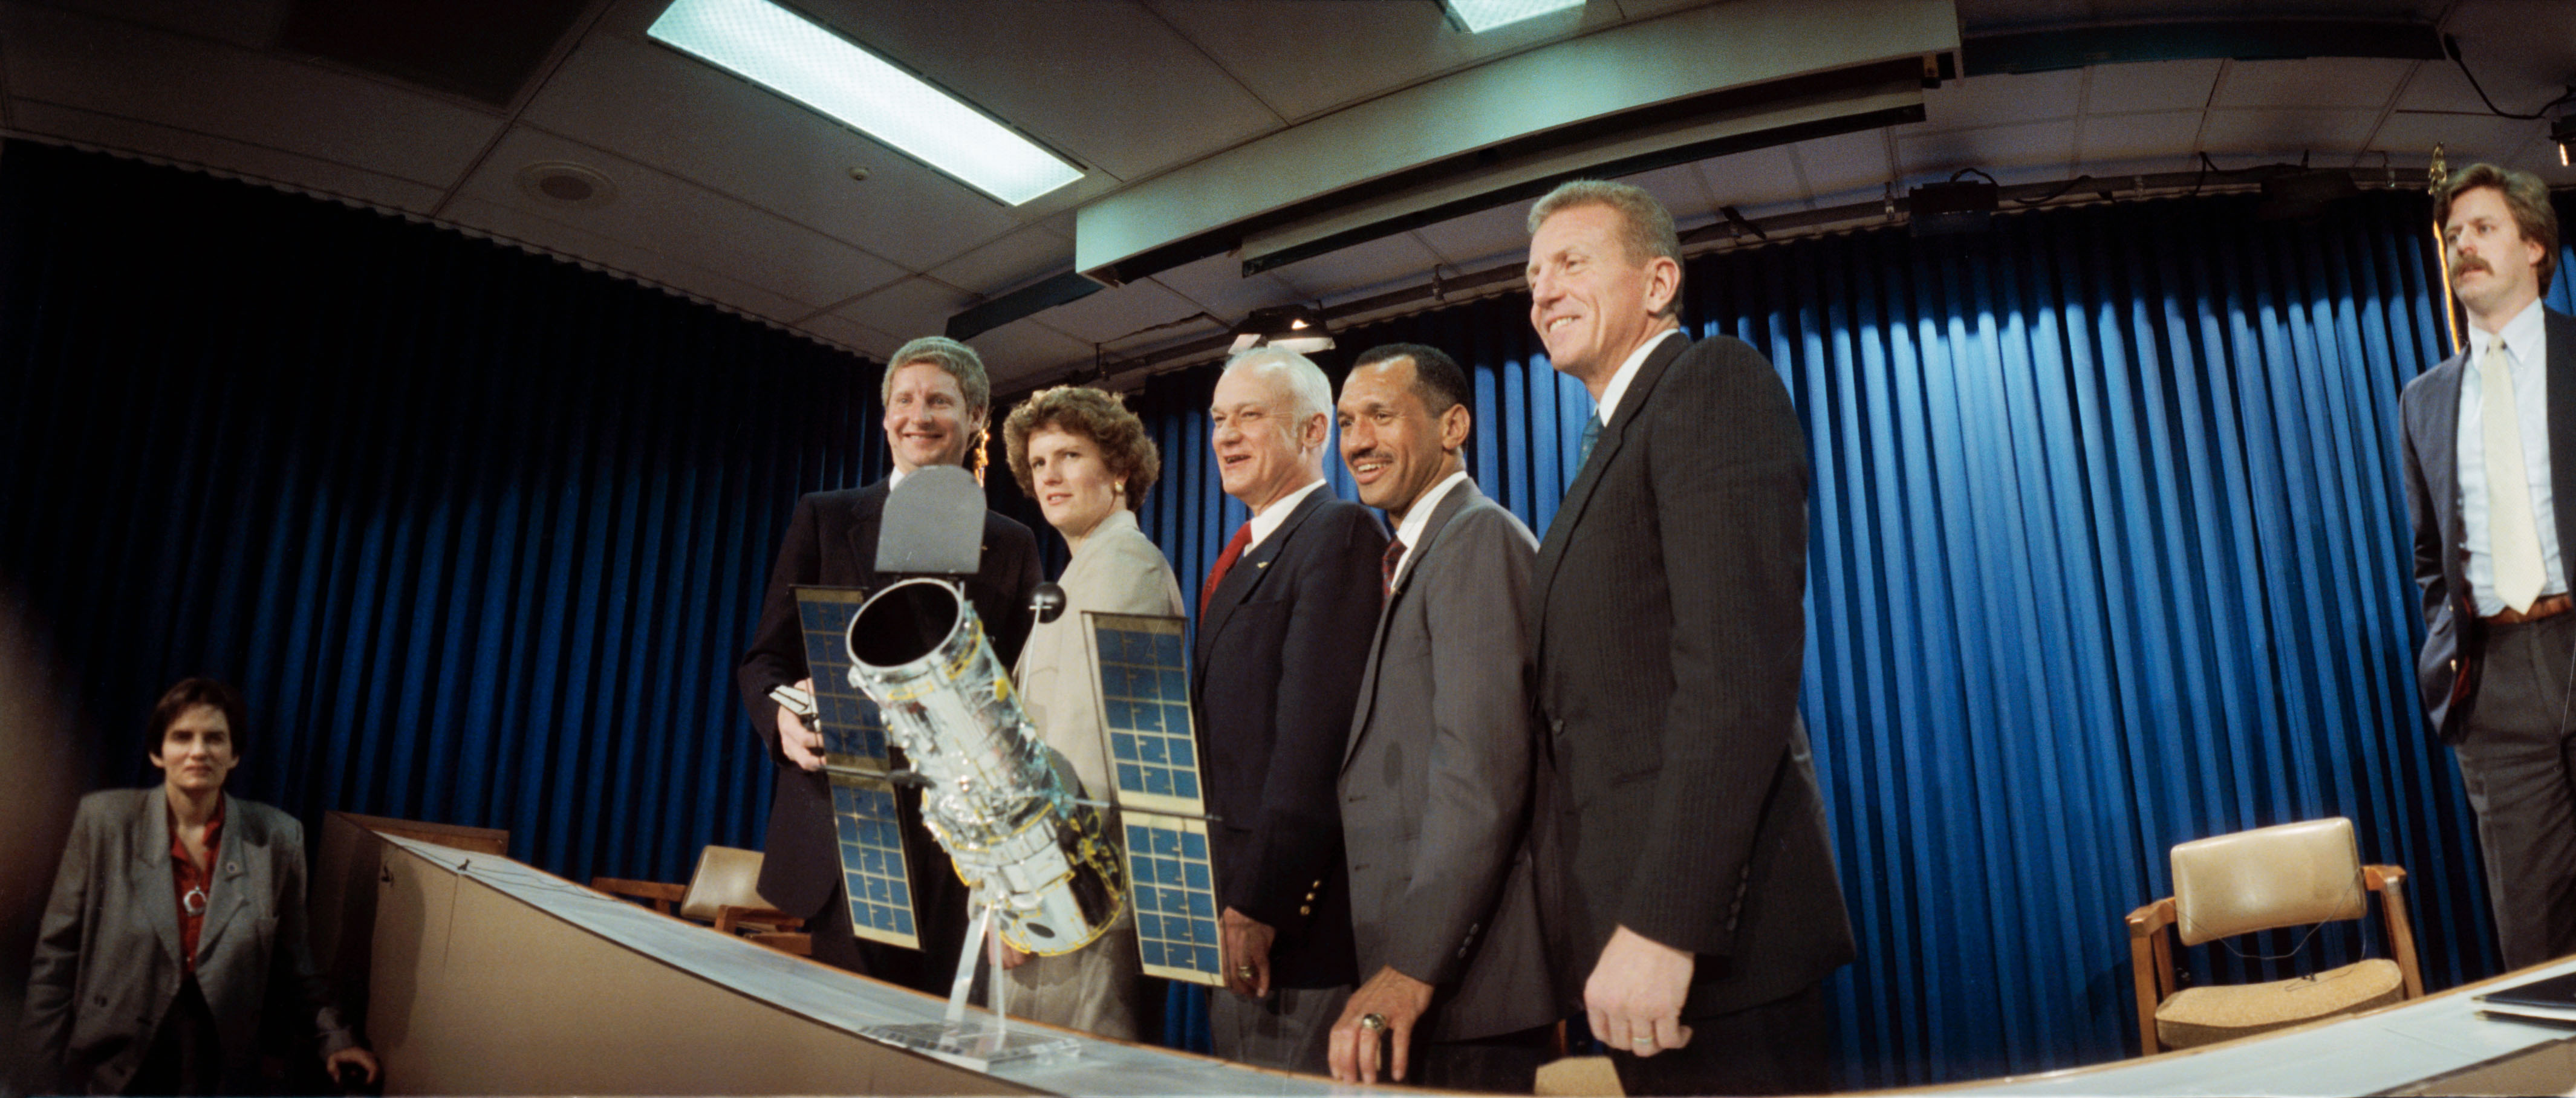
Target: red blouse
{"points": [[194, 884]]}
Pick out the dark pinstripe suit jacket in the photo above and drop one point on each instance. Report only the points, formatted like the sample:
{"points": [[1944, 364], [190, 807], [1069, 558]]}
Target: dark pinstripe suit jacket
{"points": [[1670, 632]]}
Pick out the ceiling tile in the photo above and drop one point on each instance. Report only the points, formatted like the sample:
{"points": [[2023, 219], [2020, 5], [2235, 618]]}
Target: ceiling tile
{"points": [[251, 24], [1377, 48], [1118, 313], [1480, 240], [1105, 80], [856, 337], [2046, 145], [1359, 268], [2119, 138], [2464, 137], [1755, 178], [2153, 86], [1024, 349], [1986, 100], [1850, 162], [519, 226], [656, 106], [1015, 260], [2442, 88], [1216, 284], [253, 161], [2312, 82], [689, 223], [2286, 132], [204, 87], [911, 308]]}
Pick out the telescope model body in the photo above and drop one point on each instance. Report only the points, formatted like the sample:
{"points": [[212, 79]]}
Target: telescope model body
{"points": [[995, 796]]}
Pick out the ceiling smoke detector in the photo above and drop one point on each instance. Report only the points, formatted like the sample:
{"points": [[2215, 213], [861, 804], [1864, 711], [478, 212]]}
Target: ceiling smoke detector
{"points": [[565, 184]]}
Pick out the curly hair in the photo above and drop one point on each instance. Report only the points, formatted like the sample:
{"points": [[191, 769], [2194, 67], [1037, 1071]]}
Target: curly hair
{"points": [[191, 693], [1101, 417]]}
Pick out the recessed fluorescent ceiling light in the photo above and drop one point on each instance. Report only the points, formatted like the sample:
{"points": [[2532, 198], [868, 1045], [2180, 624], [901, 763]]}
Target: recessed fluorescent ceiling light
{"points": [[781, 50], [1485, 15]]}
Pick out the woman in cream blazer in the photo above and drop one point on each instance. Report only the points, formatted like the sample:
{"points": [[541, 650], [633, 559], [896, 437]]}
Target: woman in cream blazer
{"points": [[1087, 461]]}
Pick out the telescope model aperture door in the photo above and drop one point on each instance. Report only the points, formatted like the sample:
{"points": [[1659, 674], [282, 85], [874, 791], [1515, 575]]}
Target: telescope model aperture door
{"points": [[856, 765], [1153, 762]]}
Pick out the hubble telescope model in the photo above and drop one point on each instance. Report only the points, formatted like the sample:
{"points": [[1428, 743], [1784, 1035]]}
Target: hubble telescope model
{"points": [[910, 667]]}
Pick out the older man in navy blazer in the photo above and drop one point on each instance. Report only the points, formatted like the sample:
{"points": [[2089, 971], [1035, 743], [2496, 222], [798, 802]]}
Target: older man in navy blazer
{"points": [[1284, 621], [2499, 645]]}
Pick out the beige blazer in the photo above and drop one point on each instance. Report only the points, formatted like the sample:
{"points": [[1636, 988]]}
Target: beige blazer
{"points": [[1118, 571]]}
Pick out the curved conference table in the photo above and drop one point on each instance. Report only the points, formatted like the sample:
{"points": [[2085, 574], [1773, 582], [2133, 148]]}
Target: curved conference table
{"points": [[490, 977]]}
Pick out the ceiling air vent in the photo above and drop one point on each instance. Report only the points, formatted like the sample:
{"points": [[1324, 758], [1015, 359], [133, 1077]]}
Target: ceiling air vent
{"points": [[562, 184]]}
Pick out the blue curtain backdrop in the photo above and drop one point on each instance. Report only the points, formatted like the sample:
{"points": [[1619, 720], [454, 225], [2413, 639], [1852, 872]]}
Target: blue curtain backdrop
{"points": [[2108, 549], [2107, 552]]}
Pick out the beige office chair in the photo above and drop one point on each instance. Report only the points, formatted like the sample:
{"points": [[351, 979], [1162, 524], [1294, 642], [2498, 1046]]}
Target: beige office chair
{"points": [[724, 893], [2290, 875]]}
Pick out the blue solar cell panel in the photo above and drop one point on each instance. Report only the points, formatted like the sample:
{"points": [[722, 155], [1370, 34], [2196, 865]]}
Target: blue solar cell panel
{"points": [[847, 719], [1145, 710], [1176, 924], [880, 884]]}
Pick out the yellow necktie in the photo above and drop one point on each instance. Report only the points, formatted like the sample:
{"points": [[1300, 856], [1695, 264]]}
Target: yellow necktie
{"points": [[2512, 541]]}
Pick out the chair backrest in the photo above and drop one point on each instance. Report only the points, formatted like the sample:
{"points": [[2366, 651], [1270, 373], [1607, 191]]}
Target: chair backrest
{"points": [[2289, 875], [726, 877]]}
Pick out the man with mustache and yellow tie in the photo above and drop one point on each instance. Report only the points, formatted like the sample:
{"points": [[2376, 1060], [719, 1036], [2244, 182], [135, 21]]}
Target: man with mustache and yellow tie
{"points": [[2490, 441]]}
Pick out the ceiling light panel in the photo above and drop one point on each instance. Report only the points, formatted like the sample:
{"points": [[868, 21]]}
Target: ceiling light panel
{"points": [[789, 54], [1483, 15]]}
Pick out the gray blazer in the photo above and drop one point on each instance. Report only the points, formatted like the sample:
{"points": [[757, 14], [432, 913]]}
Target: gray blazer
{"points": [[107, 963], [1118, 571], [2446, 670], [1436, 782]]}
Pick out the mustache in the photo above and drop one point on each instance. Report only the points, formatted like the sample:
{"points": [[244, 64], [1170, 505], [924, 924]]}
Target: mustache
{"points": [[2471, 263]]}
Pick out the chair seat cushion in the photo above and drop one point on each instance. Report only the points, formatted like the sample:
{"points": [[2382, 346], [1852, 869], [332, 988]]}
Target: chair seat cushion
{"points": [[2207, 1015]]}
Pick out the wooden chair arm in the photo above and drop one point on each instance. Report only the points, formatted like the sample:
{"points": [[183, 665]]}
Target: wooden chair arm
{"points": [[2390, 882], [731, 918], [2151, 966], [658, 893]]}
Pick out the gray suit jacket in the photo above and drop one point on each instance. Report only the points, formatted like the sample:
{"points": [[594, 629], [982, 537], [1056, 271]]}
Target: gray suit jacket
{"points": [[2446, 670], [1436, 784], [107, 962], [1671, 630]]}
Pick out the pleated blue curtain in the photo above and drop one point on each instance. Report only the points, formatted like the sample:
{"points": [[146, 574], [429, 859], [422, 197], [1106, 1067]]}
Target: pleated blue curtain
{"points": [[480, 534], [2108, 549], [2107, 552]]}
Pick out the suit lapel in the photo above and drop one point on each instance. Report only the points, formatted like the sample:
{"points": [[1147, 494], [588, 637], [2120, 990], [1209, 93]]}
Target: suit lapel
{"points": [[863, 535], [1604, 450], [1254, 565], [2560, 338], [1458, 499], [225, 884], [150, 841]]}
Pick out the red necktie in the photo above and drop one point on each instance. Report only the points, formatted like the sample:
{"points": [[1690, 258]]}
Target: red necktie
{"points": [[1225, 560], [1394, 556]]}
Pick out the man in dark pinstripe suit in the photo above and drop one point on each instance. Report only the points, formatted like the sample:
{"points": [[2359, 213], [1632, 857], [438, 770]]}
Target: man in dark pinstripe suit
{"points": [[1687, 874]]}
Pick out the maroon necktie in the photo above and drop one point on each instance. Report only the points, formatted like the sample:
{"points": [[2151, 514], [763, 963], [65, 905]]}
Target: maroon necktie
{"points": [[1394, 556], [1225, 560]]}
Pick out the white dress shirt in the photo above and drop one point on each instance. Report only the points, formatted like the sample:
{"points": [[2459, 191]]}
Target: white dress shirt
{"points": [[1618, 386], [1410, 530], [2526, 341], [1267, 522]]}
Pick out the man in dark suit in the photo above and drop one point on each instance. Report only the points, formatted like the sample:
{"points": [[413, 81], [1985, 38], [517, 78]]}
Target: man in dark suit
{"points": [[1282, 638], [1436, 782], [1687, 875], [2499, 644], [936, 397]]}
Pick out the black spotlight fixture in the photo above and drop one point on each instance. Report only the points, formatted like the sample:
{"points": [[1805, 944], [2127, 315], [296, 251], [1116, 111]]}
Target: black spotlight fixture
{"points": [[2562, 130], [1298, 328], [1961, 205]]}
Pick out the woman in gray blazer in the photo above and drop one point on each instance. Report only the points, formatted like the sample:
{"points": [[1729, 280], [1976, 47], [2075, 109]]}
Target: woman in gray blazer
{"points": [[1087, 461], [176, 925]]}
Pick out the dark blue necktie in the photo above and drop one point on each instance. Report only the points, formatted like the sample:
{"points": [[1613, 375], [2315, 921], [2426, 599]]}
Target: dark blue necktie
{"points": [[1591, 434]]}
